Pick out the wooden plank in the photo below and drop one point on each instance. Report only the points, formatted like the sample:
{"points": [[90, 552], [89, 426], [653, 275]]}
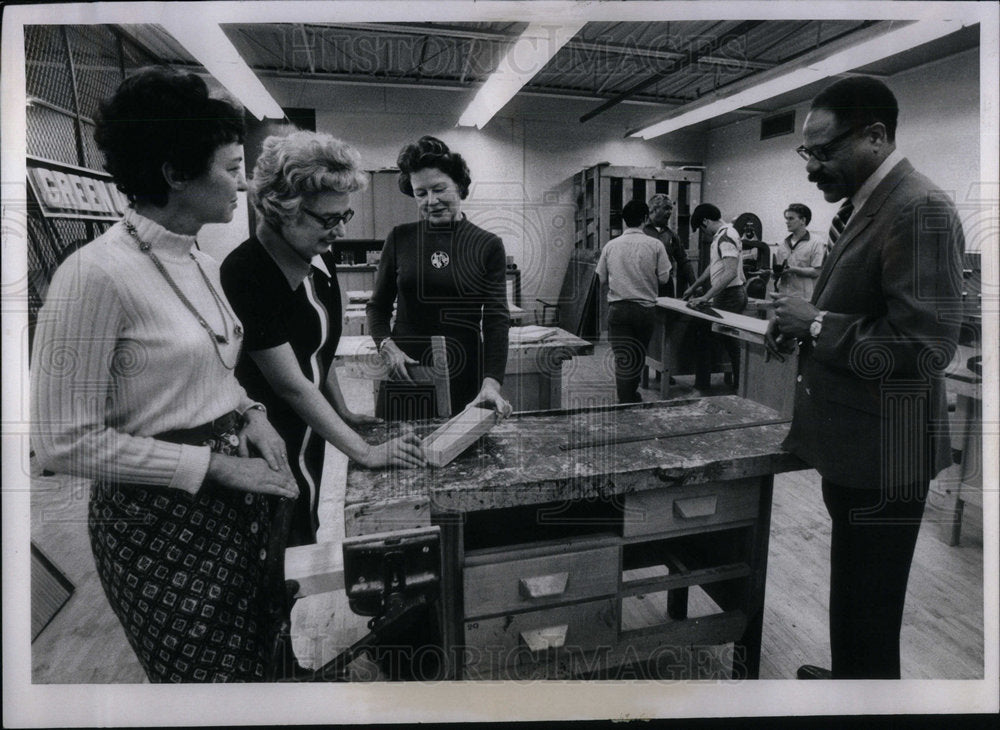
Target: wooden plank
{"points": [[439, 375], [741, 322], [400, 513], [317, 568], [458, 434], [683, 579]]}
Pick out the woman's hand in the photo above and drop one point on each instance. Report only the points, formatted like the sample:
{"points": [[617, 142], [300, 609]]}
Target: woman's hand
{"points": [[251, 475], [489, 395], [396, 360], [403, 451], [260, 434]]}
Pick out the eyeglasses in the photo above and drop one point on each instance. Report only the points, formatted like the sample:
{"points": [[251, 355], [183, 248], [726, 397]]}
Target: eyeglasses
{"points": [[821, 152], [331, 221]]}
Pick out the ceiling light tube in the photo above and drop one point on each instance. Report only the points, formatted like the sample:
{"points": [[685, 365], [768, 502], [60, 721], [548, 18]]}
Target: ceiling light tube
{"points": [[524, 59], [213, 50], [847, 59]]}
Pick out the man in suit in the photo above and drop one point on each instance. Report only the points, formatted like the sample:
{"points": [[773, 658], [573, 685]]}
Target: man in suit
{"points": [[658, 226], [870, 412]]}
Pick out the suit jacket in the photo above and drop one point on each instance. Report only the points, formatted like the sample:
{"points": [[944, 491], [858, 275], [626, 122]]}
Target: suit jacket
{"points": [[870, 406]]}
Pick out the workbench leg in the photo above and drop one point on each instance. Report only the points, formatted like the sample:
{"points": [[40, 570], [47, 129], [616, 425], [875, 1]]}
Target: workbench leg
{"points": [[451, 609], [947, 505], [550, 389], [677, 604], [746, 650]]}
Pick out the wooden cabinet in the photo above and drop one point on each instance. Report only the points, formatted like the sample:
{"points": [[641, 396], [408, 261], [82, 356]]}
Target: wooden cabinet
{"points": [[601, 192]]}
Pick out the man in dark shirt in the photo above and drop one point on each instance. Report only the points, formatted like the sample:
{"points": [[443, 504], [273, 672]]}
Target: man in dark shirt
{"points": [[657, 226]]}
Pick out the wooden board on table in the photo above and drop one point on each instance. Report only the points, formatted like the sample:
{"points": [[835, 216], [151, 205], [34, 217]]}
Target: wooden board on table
{"points": [[740, 322], [448, 441], [531, 333]]}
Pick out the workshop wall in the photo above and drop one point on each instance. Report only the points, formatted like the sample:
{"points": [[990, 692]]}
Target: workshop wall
{"points": [[938, 131], [522, 162]]}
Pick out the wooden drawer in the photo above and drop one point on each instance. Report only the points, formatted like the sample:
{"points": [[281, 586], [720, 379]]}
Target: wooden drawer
{"points": [[537, 636], [682, 508], [531, 582]]}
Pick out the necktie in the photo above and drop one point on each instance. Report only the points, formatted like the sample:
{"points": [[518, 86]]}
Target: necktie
{"points": [[839, 221]]}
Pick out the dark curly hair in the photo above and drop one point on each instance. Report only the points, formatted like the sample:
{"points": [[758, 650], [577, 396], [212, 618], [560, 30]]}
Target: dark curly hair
{"points": [[159, 115], [432, 152]]}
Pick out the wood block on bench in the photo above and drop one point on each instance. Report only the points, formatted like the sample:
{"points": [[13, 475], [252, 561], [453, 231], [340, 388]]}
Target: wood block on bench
{"points": [[443, 445]]}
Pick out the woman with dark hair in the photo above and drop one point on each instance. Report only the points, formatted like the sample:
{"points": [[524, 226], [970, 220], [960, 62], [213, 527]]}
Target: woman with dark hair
{"points": [[283, 284], [446, 277], [133, 387]]}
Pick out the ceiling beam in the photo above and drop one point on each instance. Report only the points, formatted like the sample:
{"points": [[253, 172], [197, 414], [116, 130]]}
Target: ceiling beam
{"points": [[884, 38], [741, 29], [576, 45]]}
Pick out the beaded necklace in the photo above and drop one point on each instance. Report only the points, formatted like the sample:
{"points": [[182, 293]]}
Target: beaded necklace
{"points": [[215, 337]]}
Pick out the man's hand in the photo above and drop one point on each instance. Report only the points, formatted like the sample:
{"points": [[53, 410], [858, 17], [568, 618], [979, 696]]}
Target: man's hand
{"points": [[776, 344], [793, 315], [695, 302]]}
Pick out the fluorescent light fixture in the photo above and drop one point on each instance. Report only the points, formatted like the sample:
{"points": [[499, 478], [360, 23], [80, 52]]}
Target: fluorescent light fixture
{"points": [[869, 51], [526, 57], [213, 50]]}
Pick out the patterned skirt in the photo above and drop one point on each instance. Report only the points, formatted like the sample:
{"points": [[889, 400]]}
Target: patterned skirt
{"points": [[187, 574]]}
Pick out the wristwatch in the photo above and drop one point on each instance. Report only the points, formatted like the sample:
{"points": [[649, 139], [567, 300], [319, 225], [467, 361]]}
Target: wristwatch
{"points": [[817, 325]]}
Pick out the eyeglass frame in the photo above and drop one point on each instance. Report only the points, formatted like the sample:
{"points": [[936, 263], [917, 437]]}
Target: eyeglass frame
{"points": [[810, 153], [324, 221]]}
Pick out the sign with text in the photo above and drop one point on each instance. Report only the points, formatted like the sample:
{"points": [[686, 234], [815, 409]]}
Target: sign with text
{"points": [[74, 192]]}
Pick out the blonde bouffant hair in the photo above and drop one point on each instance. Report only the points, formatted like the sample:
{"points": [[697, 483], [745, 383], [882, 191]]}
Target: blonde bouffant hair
{"points": [[293, 166]]}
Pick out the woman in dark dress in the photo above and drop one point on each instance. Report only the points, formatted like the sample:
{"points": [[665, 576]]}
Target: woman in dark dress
{"points": [[283, 285], [132, 386], [446, 277]]}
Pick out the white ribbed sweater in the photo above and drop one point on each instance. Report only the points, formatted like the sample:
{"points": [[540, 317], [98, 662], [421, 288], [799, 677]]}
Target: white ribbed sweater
{"points": [[118, 358]]}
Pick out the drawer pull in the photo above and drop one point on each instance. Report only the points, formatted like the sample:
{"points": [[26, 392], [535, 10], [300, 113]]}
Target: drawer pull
{"points": [[551, 637], [543, 586], [692, 507]]}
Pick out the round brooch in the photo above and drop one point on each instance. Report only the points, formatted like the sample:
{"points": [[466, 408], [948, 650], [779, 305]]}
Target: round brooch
{"points": [[439, 259]]}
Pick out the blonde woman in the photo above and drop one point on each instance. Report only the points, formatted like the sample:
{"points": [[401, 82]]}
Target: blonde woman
{"points": [[282, 283]]}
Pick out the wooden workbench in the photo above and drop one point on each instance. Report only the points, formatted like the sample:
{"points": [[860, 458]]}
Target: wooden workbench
{"points": [[962, 482], [769, 382], [532, 379], [555, 522]]}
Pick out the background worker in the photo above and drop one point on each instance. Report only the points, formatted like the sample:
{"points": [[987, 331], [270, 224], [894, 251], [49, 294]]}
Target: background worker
{"points": [[632, 265], [658, 226], [800, 254], [727, 287]]}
